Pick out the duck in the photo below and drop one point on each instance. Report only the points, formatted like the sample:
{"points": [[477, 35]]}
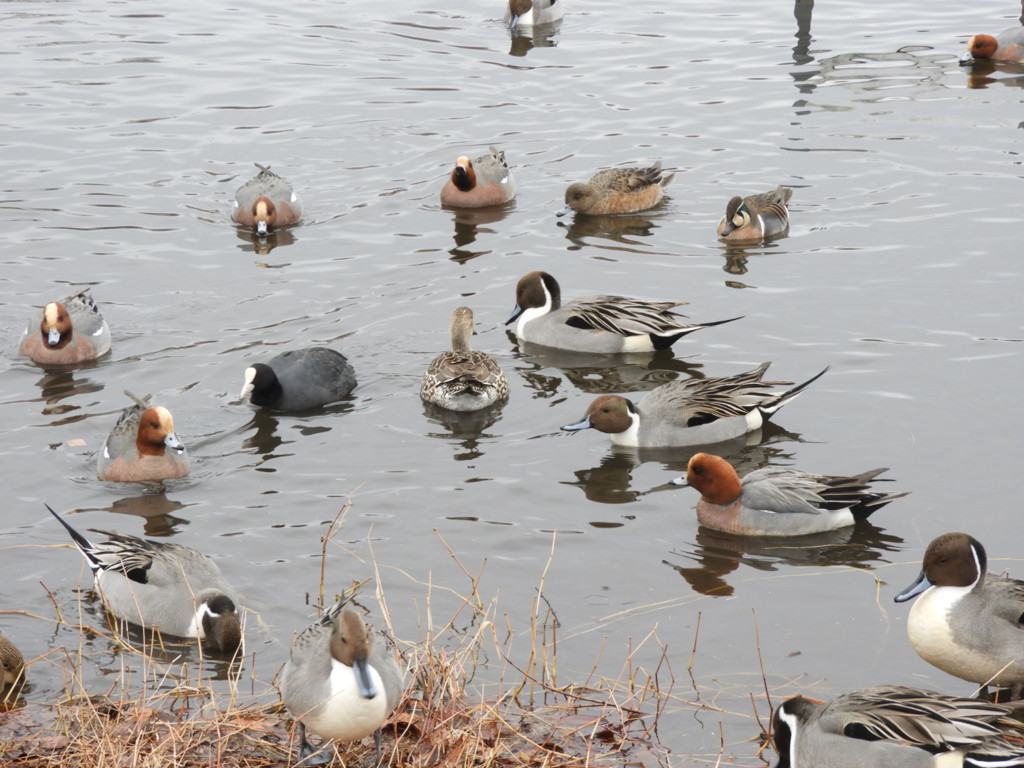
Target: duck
{"points": [[299, 380], [965, 621], [757, 217], [691, 412], [1007, 46], [479, 183], [617, 190], [12, 665], [895, 727], [600, 324], [528, 12], [463, 379], [341, 681], [780, 501], [163, 586], [266, 202], [142, 446], [71, 330]]}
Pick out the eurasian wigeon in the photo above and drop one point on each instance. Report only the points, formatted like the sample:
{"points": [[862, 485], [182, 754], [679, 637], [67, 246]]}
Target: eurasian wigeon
{"points": [[479, 183], [617, 190], [142, 446], [1007, 46], [71, 330], [266, 202], [779, 501]]}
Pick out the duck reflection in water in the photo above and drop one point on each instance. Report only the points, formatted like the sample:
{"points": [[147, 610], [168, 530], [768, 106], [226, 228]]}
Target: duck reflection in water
{"points": [[611, 482], [469, 224], [718, 554], [155, 509], [262, 245], [623, 229], [466, 429]]}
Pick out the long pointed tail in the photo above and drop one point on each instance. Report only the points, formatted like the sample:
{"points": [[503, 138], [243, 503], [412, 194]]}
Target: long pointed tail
{"points": [[84, 545], [769, 408]]}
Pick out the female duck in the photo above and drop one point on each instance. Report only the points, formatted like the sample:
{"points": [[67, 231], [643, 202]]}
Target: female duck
{"points": [[756, 218], [691, 412], [142, 446], [12, 664], [463, 379], [617, 190], [895, 727], [266, 202], [779, 501], [600, 324], [967, 622], [71, 330], [479, 183], [340, 681], [158, 585]]}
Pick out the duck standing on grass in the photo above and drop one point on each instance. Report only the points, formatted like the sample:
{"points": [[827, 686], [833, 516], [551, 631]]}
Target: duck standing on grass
{"points": [[340, 681], [158, 585]]}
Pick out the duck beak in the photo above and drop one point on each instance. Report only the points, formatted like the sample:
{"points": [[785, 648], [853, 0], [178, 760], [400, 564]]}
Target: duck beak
{"points": [[363, 680], [53, 337], [585, 424], [681, 480], [515, 313], [564, 211], [172, 442], [261, 228], [914, 589], [514, 21], [966, 58]]}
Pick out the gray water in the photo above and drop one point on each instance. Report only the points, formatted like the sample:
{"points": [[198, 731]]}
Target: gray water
{"points": [[126, 126]]}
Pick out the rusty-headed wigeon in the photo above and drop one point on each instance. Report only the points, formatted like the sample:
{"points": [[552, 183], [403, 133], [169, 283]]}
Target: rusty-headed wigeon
{"points": [[479, 183], [142, 446], [71, 330], [266, 202], [600, 324], [965, 621], [690, 412], [1008, 45], [780, 501], [756, 217], [617, 190]]}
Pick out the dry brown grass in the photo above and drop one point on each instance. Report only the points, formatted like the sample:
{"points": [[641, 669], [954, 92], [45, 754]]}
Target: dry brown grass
{"points": [[521, 717]]}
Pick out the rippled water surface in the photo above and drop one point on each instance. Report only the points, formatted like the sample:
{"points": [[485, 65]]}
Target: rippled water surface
{"points": [[126, 126]]}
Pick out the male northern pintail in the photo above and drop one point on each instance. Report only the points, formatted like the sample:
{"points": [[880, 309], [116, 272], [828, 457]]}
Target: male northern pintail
{"points": [[526, 12], [1007, 46], [599, 324], [12, 665], [895, 727], [779, 501], [463, 379], [966, 622], [71, 330], [341, 681], [265, 202], [299, 379], [617, 190], [142, 446], [757, 217], [479, 183], [159, 585], [690, 412]]}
